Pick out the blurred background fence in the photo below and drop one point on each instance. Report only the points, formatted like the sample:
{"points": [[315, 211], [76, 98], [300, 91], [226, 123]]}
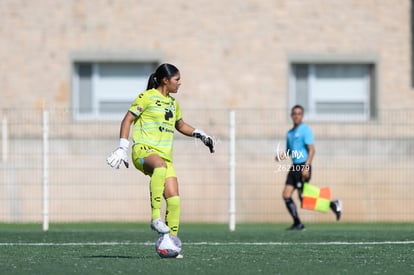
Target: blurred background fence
{"points": [[369, 165]]}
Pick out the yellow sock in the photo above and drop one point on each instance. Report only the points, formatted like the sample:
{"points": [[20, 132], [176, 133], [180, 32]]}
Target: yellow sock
{"points": [[172, 216], [156, 191]]}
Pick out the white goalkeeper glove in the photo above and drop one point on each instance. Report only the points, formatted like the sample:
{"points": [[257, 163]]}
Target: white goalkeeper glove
{"points": [[119, 156], [206, 139]]}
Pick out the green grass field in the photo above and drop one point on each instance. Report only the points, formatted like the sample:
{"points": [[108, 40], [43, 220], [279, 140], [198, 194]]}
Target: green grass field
{"points": [[337, 248]]}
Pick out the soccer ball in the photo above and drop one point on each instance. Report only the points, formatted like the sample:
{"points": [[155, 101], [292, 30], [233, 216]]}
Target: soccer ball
{"points": [[168, 246]]}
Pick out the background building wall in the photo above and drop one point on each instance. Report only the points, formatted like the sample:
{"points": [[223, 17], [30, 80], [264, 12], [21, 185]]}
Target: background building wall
{"points": [[232, 55]]}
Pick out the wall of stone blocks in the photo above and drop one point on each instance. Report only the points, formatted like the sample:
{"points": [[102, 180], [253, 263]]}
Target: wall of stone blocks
{"points": [[232, 55]]}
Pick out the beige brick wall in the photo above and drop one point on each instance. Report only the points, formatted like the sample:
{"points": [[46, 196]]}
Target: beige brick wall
{"points": [[232, 54]]}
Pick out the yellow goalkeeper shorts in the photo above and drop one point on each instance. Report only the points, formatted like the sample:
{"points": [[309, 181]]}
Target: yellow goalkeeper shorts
{"points": [[139, 152]]}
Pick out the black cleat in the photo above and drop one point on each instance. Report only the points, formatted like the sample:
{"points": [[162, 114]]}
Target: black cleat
{"points": [[298, 227], [336, 207]]}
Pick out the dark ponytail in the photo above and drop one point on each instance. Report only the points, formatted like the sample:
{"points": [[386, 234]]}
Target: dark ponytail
{"points": [[163, 70], [152, 82]]}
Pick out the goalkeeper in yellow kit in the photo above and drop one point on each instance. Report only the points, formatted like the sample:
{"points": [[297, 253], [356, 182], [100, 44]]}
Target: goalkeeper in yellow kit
{"points": [[154, 115]]}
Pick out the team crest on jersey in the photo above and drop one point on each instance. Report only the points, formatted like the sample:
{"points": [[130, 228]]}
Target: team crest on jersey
{"points": [[139, 109]]}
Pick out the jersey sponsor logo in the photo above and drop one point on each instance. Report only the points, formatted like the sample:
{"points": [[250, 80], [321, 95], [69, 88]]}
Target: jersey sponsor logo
{"points": [[168, 114], [163, 129]]}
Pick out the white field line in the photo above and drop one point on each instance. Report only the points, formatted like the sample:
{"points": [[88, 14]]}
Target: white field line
{"points": [[209, 243]]}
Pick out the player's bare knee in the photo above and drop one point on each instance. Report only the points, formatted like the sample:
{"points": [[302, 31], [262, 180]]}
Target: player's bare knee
{"points": [[161, 164], [286, 196], [153, 163]]}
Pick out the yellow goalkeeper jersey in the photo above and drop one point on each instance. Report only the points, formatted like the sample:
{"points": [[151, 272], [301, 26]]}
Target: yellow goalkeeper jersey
{"points": [[155, 123]]}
